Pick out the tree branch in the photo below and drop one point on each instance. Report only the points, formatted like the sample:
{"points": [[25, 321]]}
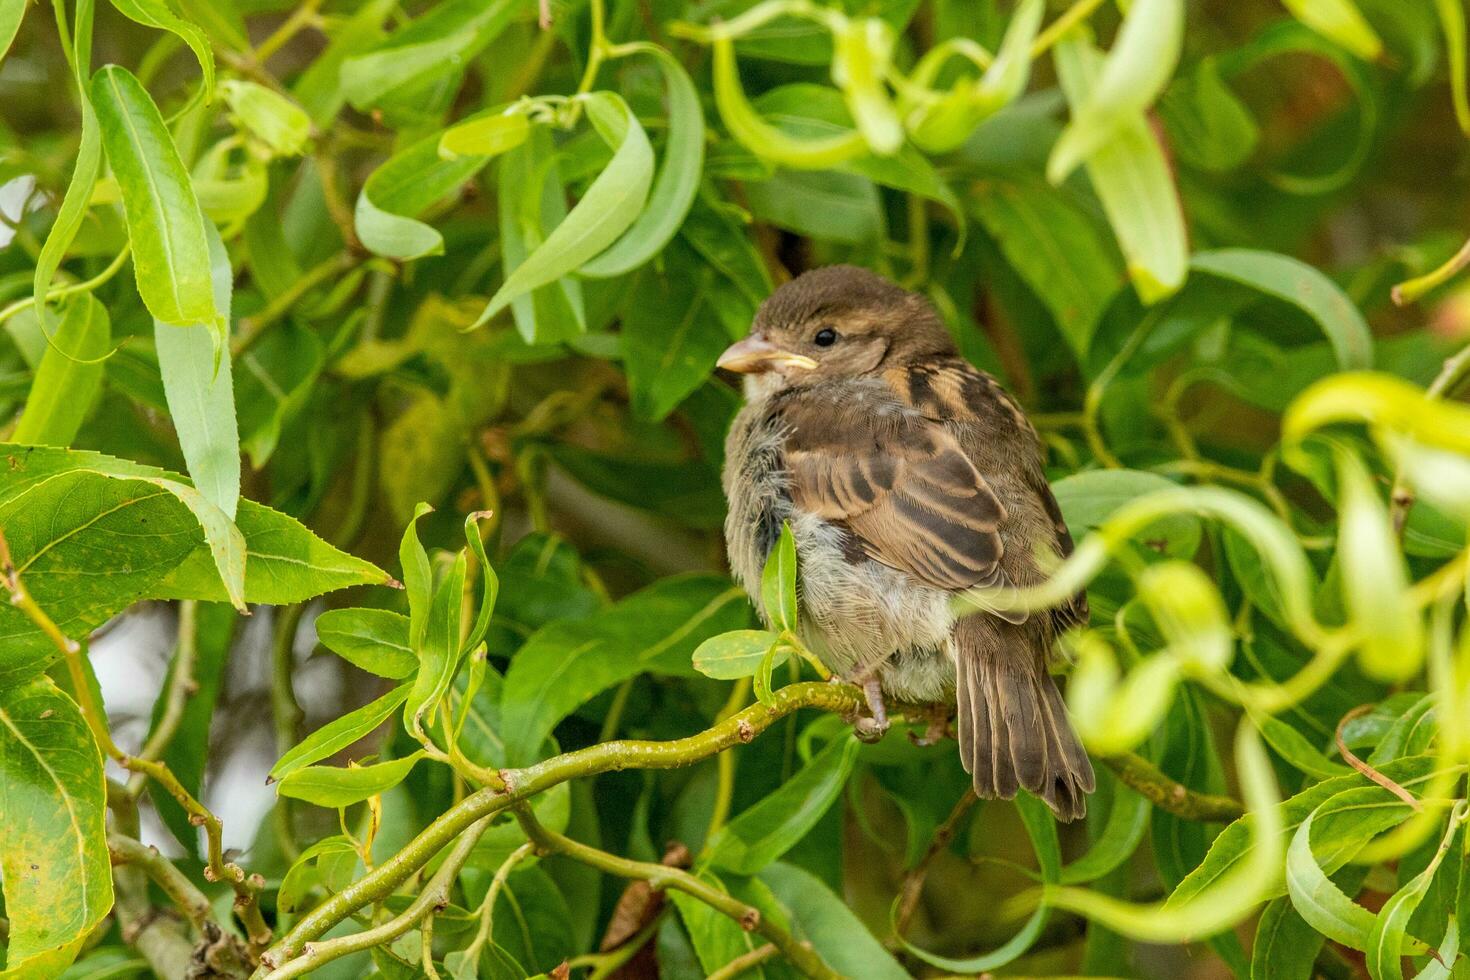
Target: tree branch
{"points": [[434, 897], [1147, 780], [165, 874], [521, 784]]}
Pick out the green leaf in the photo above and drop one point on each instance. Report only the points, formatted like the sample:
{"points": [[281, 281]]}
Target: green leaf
{"points": [[11, 14], [400, 189], [1297, 283], [765, 140], [1132, 179], [275, 120], [489, 583], [565, 663], [447, 37], [734, 655], [1343, 831], [1386, 939], [770, 828], [332, 786], [532, 201], [284, 563], [1209, 127], [78, 197], [778, 583], [677, 181], [340, 733], [53, 839], [155, 13], [1340, 21], [823, 204], [806, 110], [717, 939], [485, 135], [1452, 22], [825, 920], [70, 375], [375, 640], [201, 398], [1375, 580], [1293, 746], [1088, 499], [439, 653], [941, 122], [418, 579], [1316, 899], [1133, 74], [1061, 251], [329, 863], [668, 347], [166, 228], [611, 204], [1119, 839], [319, 88]]}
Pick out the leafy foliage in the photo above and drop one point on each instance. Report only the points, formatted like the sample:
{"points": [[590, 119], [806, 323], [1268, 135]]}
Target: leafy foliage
{"points": [[294, 293]]}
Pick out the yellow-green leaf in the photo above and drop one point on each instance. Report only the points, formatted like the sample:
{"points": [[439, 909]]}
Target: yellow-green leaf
{"points": [[53, 839]]}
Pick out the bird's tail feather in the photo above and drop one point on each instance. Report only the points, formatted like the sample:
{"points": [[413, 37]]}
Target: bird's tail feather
{"points": [[1014, 732]]}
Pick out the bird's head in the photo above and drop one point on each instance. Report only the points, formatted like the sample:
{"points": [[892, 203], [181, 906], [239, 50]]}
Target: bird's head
{"points": [[835, 322]]}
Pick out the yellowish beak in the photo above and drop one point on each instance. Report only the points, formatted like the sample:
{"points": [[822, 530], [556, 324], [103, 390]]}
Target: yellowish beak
{"points": [[755, 355]]}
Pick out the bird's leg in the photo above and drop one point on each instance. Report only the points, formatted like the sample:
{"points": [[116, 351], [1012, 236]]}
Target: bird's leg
{"points": [[872, 728]]}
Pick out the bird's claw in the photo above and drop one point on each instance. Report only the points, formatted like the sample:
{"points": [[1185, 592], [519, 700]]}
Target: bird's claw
{"points": [[869, 730], [873, 728]]}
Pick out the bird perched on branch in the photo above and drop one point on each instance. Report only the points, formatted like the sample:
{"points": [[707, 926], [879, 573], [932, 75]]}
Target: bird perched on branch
{"points": [[907, 477]]}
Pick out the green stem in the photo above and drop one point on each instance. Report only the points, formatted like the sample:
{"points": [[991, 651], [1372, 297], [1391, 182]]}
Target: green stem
{"points": [[522, 784], [1057, 29], [434, 897], [251, 328], [180, 686], [57, 292], [744, 962]]}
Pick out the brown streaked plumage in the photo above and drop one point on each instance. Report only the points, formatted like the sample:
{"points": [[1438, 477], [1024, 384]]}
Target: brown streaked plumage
{"points": [[907, 475]]}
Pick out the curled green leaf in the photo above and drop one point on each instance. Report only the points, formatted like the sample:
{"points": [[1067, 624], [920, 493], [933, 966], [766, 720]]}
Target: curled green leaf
{"points": [[1135, 71]]}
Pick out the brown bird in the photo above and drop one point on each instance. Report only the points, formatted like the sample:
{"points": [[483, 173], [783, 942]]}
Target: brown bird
{"points": [[907, 477]]}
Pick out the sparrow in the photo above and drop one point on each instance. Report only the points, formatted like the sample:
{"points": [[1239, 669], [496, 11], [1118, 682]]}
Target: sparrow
{"points": [[907, 477]]}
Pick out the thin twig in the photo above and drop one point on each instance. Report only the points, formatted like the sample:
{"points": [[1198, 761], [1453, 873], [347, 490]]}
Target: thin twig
{"points": [[249, 329], [913, 882], [744, 962], [164, 873], [1352, 759], [181, 686], [247, 887], [57, 292]]}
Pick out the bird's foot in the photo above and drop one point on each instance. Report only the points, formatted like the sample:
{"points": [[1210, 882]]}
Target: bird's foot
{"points": [[875, 726]]}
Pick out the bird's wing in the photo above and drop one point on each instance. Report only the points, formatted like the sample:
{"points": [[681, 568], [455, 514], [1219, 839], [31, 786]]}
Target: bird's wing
{"points": [[899, 482], [951, 390]]}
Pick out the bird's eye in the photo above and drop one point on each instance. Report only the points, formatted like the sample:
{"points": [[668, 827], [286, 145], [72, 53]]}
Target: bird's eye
{"points": [[825, 337]]}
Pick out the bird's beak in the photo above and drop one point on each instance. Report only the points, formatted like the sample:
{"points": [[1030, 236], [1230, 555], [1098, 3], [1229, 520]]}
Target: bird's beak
{"points": [[755, 355]]}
